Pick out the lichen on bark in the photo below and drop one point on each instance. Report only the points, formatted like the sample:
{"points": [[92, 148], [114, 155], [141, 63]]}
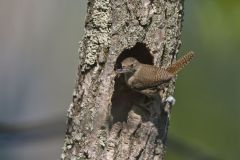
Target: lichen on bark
{"points": [[106, 119]]}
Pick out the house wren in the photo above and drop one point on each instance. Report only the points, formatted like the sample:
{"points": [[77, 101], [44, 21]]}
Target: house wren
{"points": [[149, 79]]}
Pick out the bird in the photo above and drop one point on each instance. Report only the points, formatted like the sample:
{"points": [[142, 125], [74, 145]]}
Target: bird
{"points": [[149, 79]]}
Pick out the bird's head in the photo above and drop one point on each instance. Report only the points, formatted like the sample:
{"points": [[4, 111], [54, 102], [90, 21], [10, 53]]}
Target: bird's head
{"points": [[129, 65]]}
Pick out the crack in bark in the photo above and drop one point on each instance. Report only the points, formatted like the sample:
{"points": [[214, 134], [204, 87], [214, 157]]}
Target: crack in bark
{"points": [[144, 147]]}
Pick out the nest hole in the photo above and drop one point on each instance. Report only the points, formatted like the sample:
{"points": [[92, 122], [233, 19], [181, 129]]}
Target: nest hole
{"points": [[124, 97], [139, 51]]}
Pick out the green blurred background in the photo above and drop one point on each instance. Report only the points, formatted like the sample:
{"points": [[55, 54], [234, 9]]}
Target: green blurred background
{"points": [[205, 119], [38, 66]]}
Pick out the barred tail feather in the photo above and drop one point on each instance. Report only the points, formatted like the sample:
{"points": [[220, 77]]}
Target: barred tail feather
{"points": [[179, 64]]}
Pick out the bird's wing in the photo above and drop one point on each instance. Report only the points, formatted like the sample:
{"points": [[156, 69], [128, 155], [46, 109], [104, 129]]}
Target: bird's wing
{"points": [[150, 76]]}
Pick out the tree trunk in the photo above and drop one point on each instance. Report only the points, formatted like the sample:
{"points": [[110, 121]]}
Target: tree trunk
{"points": [[106, 119]]}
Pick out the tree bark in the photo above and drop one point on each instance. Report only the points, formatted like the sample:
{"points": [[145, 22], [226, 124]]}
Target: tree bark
{"points": [[106, 119]]}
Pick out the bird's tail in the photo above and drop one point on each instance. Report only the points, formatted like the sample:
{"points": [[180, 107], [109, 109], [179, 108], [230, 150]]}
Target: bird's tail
{"points": [[179, 64]]}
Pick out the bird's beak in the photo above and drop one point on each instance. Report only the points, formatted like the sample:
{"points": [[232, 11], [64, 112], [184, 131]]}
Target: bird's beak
{"points": [[123, 70]]}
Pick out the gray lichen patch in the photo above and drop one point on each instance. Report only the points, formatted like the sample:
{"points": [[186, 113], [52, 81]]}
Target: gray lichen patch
{"points": [[97, 34]]}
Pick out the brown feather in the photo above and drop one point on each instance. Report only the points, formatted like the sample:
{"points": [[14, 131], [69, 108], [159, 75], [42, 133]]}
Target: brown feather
{"points": [[148, 76], [179, 64]]}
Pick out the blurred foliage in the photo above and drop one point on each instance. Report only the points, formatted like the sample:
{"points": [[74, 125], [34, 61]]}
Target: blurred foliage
{"points": [[207, 111]]}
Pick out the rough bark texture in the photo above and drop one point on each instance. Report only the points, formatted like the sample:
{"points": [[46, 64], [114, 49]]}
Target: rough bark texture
{"points": [[106, 119]]}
